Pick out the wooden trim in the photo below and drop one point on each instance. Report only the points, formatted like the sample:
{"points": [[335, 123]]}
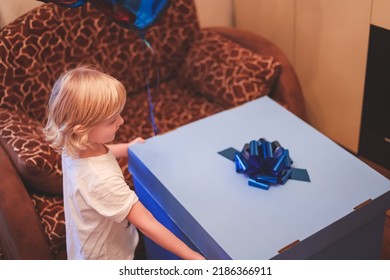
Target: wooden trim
{"points": [[285, 248]]}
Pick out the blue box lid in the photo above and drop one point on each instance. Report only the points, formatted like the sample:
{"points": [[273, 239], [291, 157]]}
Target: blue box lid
{"points": [[214, 205]]}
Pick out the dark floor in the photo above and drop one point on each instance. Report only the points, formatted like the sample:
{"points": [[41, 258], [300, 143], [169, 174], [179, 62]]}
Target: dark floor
{"points": [[386, 236]]}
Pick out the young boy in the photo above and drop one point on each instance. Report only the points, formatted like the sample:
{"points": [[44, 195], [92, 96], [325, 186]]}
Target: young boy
{"points": [[101, 212]]}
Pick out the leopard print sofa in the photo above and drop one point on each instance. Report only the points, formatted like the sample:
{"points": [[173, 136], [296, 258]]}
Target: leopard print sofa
{"points": [[200, 72]]}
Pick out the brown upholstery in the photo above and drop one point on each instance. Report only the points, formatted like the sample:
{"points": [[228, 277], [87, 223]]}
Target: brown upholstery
{"points": [[287, 91], [225, 72], [201, 72]]}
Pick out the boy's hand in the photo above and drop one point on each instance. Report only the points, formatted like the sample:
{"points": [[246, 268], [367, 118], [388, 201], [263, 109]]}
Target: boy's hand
{"points": [[137, 140], [120, 150], [198, 256]]}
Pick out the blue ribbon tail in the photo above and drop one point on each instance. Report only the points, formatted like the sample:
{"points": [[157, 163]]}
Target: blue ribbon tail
{"points": [[150, 102]]}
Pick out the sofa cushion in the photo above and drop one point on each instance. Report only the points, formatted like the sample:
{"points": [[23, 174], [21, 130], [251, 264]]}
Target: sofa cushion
{"points": [[36, 48], [226, 72], [38, 165], [174, 106], [50, 210]]}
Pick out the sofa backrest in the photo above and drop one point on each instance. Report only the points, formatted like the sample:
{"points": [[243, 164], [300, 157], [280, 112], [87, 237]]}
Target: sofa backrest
{"points": [[37, 47]]}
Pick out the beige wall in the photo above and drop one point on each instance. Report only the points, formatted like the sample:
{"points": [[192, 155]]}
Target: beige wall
{"points": [[215, 12], [327, 41], [381, 13], [330, 58], [11, 9], [272, 19], [211, 13]]}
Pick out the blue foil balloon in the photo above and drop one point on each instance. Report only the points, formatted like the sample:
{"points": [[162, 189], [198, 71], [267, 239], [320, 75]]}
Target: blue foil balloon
{"points": [[137, 15]]}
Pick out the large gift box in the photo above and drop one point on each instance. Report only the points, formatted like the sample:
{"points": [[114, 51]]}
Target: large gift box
{"points": [[196, 192]]}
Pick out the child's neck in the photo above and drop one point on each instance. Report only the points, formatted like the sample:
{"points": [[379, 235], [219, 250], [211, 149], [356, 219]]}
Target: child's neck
{"points": [[94, 150]]}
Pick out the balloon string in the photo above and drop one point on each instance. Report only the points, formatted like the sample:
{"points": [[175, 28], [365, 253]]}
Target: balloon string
{"points": [[151, 106]]}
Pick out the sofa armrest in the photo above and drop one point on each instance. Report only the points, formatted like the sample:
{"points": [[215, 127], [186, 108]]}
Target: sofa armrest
{"points": [[38, 165], [21, 234], [287, 89]]}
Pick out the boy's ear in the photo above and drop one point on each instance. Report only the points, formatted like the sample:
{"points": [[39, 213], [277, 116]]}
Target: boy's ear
{"points": [[78, 129]]}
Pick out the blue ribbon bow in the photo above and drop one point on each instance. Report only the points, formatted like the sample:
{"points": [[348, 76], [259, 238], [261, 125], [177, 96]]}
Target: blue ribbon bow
{"points": [[265, 163]]}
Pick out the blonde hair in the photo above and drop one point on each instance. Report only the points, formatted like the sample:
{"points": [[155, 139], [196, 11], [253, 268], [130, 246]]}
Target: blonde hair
{"points": [[80, 99]]}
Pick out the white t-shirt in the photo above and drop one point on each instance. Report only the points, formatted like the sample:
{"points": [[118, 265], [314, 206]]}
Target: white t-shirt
{"points": [[97, 201]]}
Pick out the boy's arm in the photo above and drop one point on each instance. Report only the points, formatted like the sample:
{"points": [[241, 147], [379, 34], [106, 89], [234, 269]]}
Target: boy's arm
{"points": [[142, 219], [120, 150]]}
